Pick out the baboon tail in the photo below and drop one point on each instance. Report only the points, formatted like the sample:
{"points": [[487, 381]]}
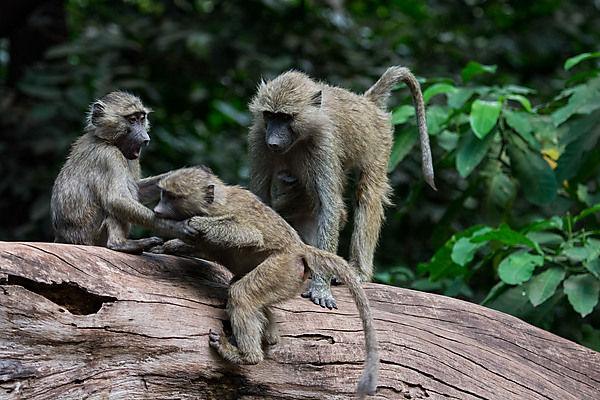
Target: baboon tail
{"points": [[321, 261], [379, 94]]}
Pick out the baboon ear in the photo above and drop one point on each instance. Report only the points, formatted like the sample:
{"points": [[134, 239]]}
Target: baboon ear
{"points": [[210, 194], [317, 99], [206, 169], [97, 113]]}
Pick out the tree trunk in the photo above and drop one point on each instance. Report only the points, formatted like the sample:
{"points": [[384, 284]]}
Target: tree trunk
{"points": [[80, 322]]}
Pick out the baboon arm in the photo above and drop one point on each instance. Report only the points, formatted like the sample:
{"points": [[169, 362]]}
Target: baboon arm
{"points": [[127, 209], [227, 231]]}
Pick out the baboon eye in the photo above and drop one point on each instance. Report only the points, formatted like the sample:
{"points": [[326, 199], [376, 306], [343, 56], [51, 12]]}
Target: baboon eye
{"points": [[268, 115], [132, 120], [286, 117]]}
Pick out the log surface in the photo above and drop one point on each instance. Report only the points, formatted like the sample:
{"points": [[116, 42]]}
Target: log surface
{"points": [[81, 322]]}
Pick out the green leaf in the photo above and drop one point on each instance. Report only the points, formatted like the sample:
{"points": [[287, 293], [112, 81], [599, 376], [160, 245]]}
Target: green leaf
{"points": [[471, 152], [543, 224], [483, 117], [474, 68], [536, 177], [585, 98], [437, 117], [438, 88], [404, 142], [508, 237], [580, 138], [593, 266], [543, 286], [587, 212], [457, 99], [573, 61], [441, 264], [518, 267], [464, 249], [520, 98], [401, 114], [576, 254], [582, 291], [521, 123]]}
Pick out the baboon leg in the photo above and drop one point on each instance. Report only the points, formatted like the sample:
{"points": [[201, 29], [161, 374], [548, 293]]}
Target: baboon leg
{"points": [[371, 195], [117, 233], [249, 296], [271, 330]]}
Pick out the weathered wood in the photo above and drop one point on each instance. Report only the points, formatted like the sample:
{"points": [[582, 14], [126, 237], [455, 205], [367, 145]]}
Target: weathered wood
{"points": [[81, 322]]}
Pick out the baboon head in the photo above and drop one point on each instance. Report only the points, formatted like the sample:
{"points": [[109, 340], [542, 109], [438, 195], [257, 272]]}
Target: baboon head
{"points": [[121, 119], [288, 109], [187, 192]]}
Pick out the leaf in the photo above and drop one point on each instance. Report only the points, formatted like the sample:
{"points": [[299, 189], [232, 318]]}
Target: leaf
{"points": [[404, 142], [508, 237], [464, 249], [402, 114], [457, 99], [585, 98], [536, 177], [483, 117], [576, 254], [521, 123], [580, 138], [573, 61], [543, 286], [518, 267], [441, 264], [554, 222], [437, 117], [438, 88], [474, 68], [471, 152], [582, 291], [594, 267], [520, 98]]}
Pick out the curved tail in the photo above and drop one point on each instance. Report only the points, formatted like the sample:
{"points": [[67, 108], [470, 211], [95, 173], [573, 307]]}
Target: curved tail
{"points": [[321, 261], [380, 92]]}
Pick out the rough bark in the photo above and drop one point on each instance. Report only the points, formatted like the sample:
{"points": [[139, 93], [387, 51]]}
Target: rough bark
{"points": [[81, 322]]}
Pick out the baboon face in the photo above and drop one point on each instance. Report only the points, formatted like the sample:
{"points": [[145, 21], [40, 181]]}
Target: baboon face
{"points": [[185, 193], [121, 119], [136, 135], [279, 134]]}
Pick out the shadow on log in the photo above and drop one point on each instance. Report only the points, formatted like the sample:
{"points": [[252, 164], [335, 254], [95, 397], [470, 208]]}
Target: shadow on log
{"points": [[80, 322]]}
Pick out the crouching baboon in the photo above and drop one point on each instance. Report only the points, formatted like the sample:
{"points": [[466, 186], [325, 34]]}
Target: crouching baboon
{"points": [[267, 257], [96, 196], [305, 139]]}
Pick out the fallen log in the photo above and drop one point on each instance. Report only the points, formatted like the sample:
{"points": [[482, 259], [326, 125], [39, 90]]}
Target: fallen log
{"points": [[82, 322]]}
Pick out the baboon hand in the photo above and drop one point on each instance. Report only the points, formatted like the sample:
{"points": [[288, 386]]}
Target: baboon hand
{"points": [[320, 292], [188, 231]]}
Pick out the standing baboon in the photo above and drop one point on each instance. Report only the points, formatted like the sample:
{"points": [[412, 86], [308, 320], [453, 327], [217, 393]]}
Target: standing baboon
{"points": [[269, 260], [305, 139], [96, 196]]}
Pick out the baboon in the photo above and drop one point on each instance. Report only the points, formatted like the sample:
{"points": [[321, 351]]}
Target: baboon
{"points": [[267, 257], [306, 138], [96, 196]]}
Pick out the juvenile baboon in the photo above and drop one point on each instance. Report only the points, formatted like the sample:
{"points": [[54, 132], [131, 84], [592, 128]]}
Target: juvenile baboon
{"points": [[267, 257], [306, 138], [96, 196]]}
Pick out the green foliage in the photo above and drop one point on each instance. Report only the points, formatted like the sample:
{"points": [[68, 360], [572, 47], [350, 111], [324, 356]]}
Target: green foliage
{"points": [[549, 153]]}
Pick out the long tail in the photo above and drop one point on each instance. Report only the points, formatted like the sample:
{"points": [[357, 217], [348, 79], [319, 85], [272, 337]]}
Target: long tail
{"points": [[321, 261], [379, 94]]}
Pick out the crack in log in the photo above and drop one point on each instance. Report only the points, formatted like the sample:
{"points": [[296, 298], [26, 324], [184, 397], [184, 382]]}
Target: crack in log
{"points": [[67, 294], [57, 256], [314, 338]]}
